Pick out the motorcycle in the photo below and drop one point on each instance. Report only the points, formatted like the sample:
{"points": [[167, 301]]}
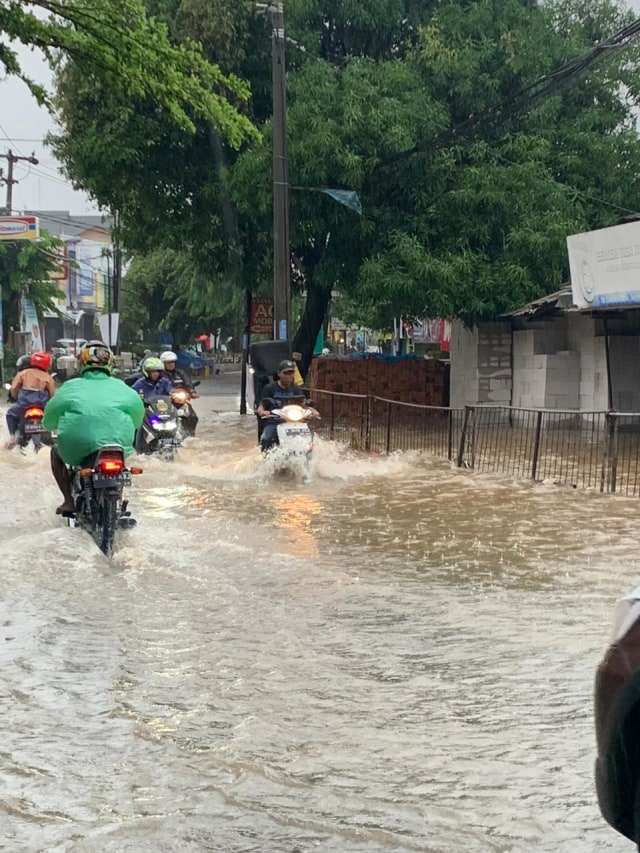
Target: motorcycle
{"points": [[30, 428], [181, 399], [98, 496], [617, 718], [161, 431], [295, 440]]}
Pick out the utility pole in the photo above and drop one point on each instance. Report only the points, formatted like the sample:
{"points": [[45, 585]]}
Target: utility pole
{"points": [[117, 279], [281, 257], [10, 180]]}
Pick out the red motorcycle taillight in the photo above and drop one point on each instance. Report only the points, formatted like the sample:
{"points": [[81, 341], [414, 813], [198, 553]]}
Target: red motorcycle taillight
{"points": [[110, 466], [34, 412]]}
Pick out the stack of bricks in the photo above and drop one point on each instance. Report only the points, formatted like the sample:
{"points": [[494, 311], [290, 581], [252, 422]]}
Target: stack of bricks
{"points": [[423, 382]]}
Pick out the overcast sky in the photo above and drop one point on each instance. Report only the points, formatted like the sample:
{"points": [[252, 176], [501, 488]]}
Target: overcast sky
{"points": [[22, 127]]}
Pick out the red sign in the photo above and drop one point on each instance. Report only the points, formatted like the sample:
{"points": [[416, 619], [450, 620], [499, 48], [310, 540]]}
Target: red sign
{"points": [[262, 316], [445, 336]]}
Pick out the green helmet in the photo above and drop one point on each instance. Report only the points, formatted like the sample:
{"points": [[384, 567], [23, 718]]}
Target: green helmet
{"points": [[152, 363]]}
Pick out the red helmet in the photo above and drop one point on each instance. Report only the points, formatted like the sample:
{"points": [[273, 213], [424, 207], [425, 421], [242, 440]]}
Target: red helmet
{"points": [[41, 359]]}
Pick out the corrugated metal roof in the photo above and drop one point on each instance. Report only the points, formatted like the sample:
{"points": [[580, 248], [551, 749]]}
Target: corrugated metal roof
{"points": [[560, 301]]}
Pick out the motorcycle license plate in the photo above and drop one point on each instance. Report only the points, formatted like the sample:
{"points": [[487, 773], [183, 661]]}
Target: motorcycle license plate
{"points": [[104, 481], [167, 442], [296, 432], [33, 427]]}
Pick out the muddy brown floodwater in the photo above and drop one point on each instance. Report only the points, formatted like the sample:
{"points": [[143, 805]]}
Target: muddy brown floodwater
{"points": [[396, 656]]}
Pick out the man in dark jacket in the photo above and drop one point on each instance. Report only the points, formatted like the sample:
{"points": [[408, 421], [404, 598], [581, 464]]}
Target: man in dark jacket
{"points": [[275, 395]]}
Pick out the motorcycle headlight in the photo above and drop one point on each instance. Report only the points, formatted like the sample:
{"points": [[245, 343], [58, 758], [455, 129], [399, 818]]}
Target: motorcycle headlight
{"points": [[169, 426], [293, 413]]}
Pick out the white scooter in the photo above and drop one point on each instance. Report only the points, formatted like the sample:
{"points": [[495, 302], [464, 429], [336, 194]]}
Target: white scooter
{"points": [[295, 440]]}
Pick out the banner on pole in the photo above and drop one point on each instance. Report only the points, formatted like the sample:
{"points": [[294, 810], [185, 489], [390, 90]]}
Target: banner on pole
{"points": [[103, 323], [262, 316], [29, 322]]}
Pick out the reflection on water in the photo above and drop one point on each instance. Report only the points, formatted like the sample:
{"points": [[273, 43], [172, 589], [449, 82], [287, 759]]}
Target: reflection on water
{"points": [[297, 514], [396, 656]]}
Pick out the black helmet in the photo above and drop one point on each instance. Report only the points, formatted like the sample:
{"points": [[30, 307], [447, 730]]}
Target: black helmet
{"points": [[23, 362]]}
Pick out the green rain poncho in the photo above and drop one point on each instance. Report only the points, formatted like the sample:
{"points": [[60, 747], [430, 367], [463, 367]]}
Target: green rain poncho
{"points": [[92, 411]]}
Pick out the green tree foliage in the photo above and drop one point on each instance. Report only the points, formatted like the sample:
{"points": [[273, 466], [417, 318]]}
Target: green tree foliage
{"points": [[485, 228], [116, 43], [470, 173], [164, 290], [25, 270]]}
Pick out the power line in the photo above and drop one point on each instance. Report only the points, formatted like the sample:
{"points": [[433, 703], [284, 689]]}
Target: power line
{"points": [[531, 95]]}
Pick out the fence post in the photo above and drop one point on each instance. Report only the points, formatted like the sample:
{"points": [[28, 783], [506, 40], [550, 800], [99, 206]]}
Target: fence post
{"points": [[536, 446], [367, 433], [388, 426], [333, 416], [463, 435], [613, 450], [450, 436]]}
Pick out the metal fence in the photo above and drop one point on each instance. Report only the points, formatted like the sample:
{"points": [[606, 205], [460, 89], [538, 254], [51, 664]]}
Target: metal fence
{"points": [[587, 450]]}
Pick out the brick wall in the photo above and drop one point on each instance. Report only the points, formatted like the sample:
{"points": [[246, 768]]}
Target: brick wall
{"points": [[407, 380]]}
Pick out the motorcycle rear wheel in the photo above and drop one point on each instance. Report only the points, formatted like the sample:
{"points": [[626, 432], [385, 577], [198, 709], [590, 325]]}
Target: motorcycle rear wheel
{"points": [[105, 521]]}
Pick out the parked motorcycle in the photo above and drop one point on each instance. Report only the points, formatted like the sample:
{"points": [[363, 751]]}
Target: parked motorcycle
{"points": [[295, 441], [160, 431], [617, 722], [98, 496]]}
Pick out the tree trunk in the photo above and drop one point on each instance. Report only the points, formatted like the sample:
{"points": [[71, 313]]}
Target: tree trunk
{"points": [[318, 299]]}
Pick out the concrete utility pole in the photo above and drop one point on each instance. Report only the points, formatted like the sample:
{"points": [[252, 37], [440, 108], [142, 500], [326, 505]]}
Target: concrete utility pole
{"points": [[281, 257], [10, 180]]}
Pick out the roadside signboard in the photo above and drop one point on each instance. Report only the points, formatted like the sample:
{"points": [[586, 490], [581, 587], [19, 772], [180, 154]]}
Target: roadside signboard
{"points": [[262, 316], [19, 228], [605, 266]]}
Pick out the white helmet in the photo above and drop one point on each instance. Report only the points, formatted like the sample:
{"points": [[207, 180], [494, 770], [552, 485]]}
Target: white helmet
{"points": [[168, 356]]}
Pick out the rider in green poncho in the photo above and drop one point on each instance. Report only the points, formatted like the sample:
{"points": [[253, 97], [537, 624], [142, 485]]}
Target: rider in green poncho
{"points": [[89, 412]]}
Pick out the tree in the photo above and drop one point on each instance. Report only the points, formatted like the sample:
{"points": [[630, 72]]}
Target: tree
{"points": [[485, 230], [469, 183], [25, 270], [166, 291], [116, 43]]}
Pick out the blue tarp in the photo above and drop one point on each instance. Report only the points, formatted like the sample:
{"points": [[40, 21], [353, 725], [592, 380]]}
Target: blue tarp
{"points": [[190, 360]]}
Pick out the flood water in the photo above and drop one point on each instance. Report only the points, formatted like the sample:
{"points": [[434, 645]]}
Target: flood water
{"points": [[397, 656]]}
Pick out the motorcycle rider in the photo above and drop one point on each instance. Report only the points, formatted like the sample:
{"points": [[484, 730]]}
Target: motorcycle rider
{"points": [[94, 410], [31, 386], [180, 379], [153, 383], [275, 395]]}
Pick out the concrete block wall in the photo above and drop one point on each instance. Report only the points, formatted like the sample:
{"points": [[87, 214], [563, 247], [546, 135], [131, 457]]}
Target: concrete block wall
{"points": [[624, 352], [529, 369], [480, 364], [464, 366], [545, 377], [593, 390], [494, 363], [562, 386]]}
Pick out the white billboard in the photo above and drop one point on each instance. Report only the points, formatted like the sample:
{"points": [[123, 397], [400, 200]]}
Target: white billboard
{"points": [[605, 266]]}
